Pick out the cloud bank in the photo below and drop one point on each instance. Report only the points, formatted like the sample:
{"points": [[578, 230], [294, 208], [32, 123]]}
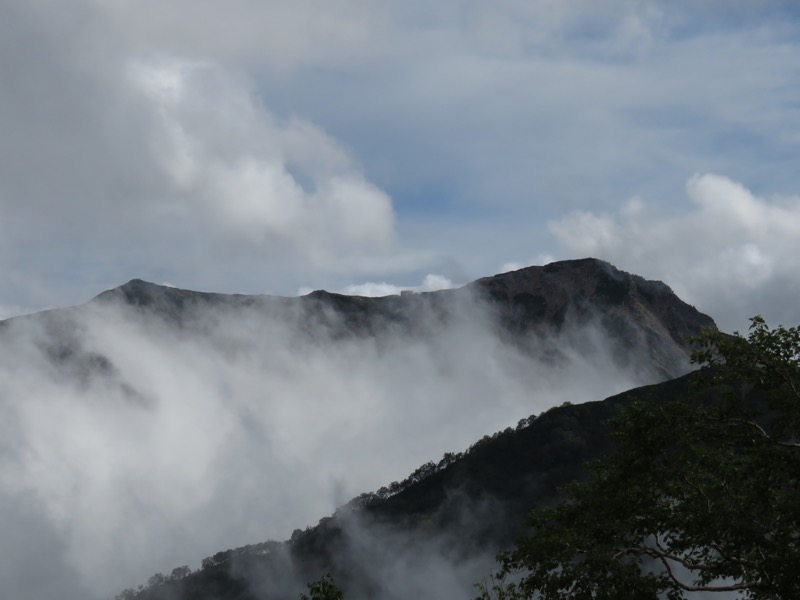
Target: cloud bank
{"points": [[137, 443]]}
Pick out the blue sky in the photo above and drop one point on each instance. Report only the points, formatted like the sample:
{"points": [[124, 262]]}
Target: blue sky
{"points": [[281, 146]]}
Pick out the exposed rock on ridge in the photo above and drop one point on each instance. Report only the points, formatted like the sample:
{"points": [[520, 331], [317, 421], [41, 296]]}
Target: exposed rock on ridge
{"points": [[533, 307], [638, 313]]}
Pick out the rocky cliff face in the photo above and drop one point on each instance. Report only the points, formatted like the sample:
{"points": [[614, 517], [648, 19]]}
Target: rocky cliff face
{"points": [[639, 317]]}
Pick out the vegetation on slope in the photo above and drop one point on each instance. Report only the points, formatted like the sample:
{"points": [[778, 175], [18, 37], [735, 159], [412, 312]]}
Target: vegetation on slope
{"points": [[700, 494]]}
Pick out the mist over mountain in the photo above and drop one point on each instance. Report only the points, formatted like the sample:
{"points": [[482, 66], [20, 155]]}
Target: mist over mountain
{"points": [[528, 307], [153, 426], [435, 534]]}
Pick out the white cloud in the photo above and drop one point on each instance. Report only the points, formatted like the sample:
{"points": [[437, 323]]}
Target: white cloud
{"points": [[430, 283], [257, 181], [733, 254], [538, 260]]}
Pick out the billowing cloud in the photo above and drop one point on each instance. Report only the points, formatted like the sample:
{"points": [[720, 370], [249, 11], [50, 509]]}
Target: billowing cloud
{"points": [[139, 445], [732, 253], [238, 174]]}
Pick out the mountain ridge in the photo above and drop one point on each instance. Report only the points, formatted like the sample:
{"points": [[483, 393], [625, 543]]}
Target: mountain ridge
{"points": [[534, 301]]}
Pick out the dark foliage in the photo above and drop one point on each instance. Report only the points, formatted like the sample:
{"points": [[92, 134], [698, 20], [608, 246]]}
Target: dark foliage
{"points": [[700, 494], [324, 589]]}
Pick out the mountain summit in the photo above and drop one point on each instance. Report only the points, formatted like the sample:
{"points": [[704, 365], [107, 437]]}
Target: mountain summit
{"points": [[635, 313]]}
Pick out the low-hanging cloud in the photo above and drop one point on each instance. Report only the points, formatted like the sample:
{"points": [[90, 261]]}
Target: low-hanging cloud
{"points": [[140, 445], [732, 253]]}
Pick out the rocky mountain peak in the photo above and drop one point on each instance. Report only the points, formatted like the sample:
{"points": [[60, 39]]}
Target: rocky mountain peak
{"points": [[636, 312]]}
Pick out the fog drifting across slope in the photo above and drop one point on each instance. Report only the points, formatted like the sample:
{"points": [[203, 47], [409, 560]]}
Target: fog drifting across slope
{"points": [[137, 444], [377, 561]]}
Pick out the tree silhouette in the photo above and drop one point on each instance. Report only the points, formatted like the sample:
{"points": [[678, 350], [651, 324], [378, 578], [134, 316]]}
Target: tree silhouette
{"points": [[700, 494]]}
